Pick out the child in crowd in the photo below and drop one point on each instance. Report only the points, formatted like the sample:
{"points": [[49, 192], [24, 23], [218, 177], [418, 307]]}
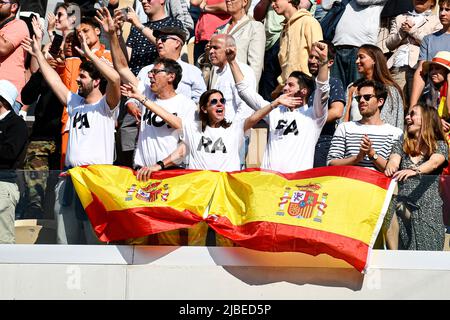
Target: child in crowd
{"points": [[437, 77]]}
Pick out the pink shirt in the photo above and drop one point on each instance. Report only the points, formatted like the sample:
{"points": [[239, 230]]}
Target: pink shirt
{"points": [[12, 67], [209, 22]]}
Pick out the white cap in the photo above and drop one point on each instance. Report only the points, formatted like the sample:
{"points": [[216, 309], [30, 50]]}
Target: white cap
{"points": [[8, 91]]}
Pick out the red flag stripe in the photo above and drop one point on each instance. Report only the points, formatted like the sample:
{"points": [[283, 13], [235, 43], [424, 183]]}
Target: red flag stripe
{"points": [[351, 172], [136, 222], [287, 238]]}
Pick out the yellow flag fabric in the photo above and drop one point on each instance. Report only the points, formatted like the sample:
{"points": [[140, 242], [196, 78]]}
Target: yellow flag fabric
{"points": [[333, 210]]}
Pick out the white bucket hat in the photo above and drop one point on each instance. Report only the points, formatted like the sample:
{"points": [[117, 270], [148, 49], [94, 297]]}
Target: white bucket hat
{"points": [[8, 91]]}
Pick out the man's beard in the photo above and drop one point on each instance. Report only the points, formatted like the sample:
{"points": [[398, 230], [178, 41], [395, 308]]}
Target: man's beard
{"points": [[86, 91], [4, 15]]}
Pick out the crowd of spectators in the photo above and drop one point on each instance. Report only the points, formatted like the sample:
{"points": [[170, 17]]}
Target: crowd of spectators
{"points": [[108, 83]]}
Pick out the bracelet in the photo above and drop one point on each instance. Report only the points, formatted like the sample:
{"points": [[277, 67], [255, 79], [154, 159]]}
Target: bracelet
{"points": [[141, 28], [161, 163], [203, 9], [143, 101]]}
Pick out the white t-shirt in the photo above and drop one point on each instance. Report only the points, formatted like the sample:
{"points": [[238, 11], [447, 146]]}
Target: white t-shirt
{"points": [[91, 131], [292, 140], [347, 141], [157, 139], [215, 148], [358, 25], [292, 134]]}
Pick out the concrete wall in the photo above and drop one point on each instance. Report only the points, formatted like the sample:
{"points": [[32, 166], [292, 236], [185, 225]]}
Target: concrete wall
{"points": [[173, 273]]}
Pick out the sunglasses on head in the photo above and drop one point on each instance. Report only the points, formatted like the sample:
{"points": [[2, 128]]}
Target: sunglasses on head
{"points": [[366, 97], [214, 101]]}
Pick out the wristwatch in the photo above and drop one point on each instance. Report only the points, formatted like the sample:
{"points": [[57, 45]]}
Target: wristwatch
{"points": [[161, 164], [374, 157]]}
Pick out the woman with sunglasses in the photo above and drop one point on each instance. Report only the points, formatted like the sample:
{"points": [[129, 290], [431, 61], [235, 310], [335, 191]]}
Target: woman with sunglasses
{"points": [[372, 65], [212, 143], [63, 19], [416, 164]]}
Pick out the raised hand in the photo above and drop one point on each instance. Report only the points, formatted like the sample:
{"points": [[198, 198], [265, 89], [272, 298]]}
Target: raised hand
{"points": [[51, 22], [106, 21], [288, 100], [32, 46], [132, 17], [322, 51], [130, 91], [37, 28], [230, 53], [85, 51]]}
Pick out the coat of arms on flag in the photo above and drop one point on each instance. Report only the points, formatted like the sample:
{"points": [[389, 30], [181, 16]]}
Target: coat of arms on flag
{"points": [[304, 203]]}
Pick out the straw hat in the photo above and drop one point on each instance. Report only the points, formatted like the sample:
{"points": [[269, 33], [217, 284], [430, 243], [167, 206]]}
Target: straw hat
{"points": [[441, 58]]}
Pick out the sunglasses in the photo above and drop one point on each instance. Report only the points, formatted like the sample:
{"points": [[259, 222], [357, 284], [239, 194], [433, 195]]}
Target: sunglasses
{"points": [[366, 97], [164, 38], [215, 101]]}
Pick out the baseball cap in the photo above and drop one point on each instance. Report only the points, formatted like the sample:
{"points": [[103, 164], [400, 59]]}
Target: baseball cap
{"points": [[170, 31]]}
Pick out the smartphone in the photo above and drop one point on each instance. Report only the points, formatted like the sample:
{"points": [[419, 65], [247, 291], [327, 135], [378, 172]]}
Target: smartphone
{"points": [[55, 48], [124, 12]]}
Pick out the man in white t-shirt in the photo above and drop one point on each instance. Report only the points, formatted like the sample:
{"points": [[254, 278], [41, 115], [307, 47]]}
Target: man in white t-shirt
{"points": [[293, 132], [367, 142], [156, 138], [92, 115]]}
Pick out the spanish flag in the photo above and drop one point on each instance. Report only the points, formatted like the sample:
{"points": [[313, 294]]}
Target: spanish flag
{"points": [[334, 210]]}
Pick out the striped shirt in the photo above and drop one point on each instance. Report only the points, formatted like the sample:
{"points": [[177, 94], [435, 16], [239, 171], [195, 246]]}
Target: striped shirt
{"points": [[346, 141]]}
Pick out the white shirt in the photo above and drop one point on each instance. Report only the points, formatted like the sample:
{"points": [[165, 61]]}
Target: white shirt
{"points": [[192, 84], [157, 139], [358, 25], [215, 148], [91, 131], [224, 81], [292, 134]]}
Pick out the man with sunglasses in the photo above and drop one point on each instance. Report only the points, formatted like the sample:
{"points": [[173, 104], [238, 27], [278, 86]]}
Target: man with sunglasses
{"points": [[367, 142], [12, 55]]}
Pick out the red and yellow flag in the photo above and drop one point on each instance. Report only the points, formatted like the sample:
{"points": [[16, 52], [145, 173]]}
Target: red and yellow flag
{"points": [[333, 210]]}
